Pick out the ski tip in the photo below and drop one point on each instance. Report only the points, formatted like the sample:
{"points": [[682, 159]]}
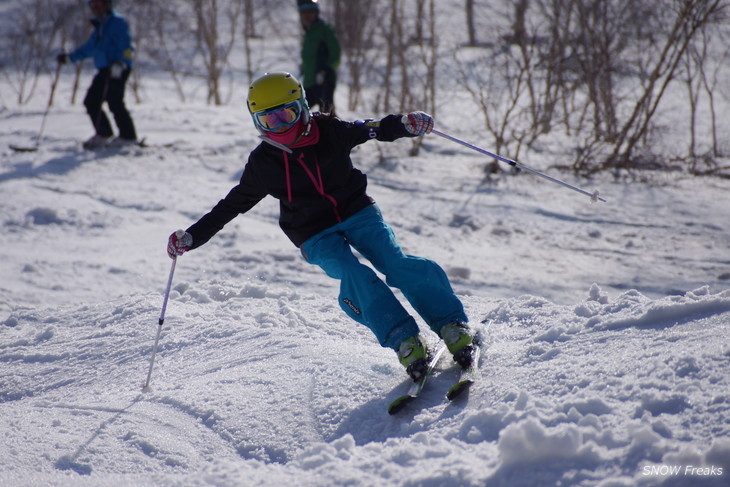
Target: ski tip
{"points": [[457, 389], [399, 404], [23, 149]]}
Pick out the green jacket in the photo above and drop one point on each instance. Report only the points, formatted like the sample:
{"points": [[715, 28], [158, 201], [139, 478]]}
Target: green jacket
{"points": [[320, 52]]}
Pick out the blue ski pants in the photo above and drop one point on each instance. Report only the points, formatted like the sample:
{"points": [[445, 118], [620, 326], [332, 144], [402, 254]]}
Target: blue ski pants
{"points": [[364, 296]]}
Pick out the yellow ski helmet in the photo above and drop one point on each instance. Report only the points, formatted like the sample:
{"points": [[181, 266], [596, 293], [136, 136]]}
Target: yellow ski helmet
{"points": [[273, 90]]}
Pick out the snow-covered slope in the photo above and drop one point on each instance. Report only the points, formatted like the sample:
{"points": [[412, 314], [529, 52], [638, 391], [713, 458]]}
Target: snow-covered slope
{"points": [[259, 384], [606, 360]]}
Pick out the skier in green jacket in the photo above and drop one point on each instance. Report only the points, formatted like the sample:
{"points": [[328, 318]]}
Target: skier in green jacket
{"points": [[320, 57]]}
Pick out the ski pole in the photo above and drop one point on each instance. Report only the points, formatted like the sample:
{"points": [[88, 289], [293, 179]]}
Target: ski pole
{"points": [[146, 386], [594, 196], [45, 115], [48, 107]]}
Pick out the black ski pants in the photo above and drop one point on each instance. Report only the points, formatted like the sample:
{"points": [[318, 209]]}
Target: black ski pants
{"points": [[323, 94], [104, 88]]}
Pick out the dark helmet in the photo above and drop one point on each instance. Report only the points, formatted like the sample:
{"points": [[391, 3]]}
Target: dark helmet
{"points": [[108, 3], [308, 4]]}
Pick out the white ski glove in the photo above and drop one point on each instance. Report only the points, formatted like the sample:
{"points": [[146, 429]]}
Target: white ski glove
{"points": [[418, 123], [179, 243], [116, 69]]}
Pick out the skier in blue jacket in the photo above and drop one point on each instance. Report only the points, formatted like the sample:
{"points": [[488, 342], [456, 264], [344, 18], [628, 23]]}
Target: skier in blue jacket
{"points": [[304, 162], [110, 45]]}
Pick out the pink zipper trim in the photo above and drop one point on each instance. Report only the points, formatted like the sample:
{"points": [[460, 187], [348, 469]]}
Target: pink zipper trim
{"points": [[288, 179], [317, 182]]}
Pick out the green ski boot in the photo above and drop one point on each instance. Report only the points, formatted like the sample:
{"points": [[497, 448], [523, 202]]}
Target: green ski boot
{"points": [[412, 354], [459, 339]]}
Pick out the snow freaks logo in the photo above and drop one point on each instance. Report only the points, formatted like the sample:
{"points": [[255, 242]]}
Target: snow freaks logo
{"points": [[682, 471]]}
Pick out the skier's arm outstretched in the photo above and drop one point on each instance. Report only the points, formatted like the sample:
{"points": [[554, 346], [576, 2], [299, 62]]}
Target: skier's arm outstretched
{"points": [[244, 196]]}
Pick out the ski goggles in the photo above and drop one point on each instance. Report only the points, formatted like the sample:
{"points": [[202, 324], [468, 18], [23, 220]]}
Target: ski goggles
{"points": [[280, 118]]}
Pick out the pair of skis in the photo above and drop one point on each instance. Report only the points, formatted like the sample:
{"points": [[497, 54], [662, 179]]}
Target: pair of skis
{"points": [[467, 376], [139, 143], [111, 146]]}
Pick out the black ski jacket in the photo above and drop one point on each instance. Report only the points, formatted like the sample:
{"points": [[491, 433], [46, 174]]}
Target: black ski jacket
{"points": [[316, 185]]}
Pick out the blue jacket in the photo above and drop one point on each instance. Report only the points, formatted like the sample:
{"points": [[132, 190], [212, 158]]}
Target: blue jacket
{"points": [[109, 42]]}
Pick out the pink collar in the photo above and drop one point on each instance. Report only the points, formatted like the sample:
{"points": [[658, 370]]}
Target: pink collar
{"points": [[295, 138]]}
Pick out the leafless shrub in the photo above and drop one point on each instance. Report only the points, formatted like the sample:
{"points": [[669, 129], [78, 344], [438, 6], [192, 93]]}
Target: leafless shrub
{"points": [[216, 27], [355, 24], [598, 69], [689, 18], [515, 83], [702, 73], [31, 44], [594, 70]]}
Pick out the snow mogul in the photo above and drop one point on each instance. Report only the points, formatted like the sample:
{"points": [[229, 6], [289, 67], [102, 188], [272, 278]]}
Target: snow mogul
{"points": [[304, 162]]}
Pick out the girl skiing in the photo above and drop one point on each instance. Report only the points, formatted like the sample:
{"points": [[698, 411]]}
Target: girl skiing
{"points": [[304, 162]]}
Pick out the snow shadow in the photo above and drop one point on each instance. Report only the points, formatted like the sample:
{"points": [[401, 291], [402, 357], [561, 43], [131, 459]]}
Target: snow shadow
{"points": [[58, 166], [70, 462], [371, 422]]}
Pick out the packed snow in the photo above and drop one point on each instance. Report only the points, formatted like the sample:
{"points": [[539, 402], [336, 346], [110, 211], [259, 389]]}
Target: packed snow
{"points": [[605, 325]]}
